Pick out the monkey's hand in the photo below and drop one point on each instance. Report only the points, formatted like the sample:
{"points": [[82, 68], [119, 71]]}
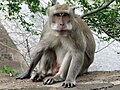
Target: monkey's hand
{"points": [[38, 77], [69, 84], [23, 76], [55, 79]]}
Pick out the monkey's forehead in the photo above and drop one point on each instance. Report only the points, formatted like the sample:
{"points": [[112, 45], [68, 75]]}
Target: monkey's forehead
{"points": [[61, 7], [61, 11]]}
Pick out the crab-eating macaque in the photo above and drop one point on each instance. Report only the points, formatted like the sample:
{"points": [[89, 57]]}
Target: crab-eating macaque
{"points": [[66, 42]]}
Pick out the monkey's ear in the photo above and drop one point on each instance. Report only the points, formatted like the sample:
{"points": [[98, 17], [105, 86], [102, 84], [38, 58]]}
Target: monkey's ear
{"points": [[72, 9], [47, 12], [50, 10]]}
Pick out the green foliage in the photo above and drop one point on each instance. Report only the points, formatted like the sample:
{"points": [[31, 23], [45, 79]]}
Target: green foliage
{"points": [[6, 70], [33, 5], [14, 7], [105, 21]]}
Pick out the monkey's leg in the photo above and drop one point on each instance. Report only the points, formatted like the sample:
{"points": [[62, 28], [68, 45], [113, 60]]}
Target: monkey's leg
{"points": [[74, 69], [40, 75], [36, 56], [86, 64], [45, 65], [61, 75]]}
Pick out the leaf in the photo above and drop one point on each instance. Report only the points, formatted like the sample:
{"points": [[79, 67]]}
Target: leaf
{"points": [[117, 1], [6, 70], [106, 0]]}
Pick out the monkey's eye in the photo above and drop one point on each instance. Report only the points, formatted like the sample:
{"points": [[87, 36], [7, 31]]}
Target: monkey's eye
{"points": [[57, 14], [65, 14], [68, 21], [53, 21]]}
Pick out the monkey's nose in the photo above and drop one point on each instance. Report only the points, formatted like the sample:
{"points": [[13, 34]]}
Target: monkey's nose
{"points": [[61, 24]]}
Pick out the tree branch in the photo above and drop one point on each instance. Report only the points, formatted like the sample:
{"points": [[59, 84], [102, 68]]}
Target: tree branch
{"points": [[104, 47], [104, 30], [105, 5]]}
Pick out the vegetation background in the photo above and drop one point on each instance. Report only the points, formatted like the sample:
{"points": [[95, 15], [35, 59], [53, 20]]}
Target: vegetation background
{"points": [[29, 16]]}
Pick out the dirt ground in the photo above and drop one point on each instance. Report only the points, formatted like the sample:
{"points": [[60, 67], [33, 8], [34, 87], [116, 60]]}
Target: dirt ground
{"points": [[90, 81]]}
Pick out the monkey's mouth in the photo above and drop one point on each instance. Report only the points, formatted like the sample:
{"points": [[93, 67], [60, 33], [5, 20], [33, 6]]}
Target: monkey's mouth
{"points": [[61, 32]]}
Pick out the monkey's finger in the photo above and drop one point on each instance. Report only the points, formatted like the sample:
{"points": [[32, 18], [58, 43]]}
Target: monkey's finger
{"points": [[71, 85], [68, 85], [23, 76], [65, 85], [18, 77], [48, 81], [35, 78], [45, 82], [40, 78], [51, 81]]}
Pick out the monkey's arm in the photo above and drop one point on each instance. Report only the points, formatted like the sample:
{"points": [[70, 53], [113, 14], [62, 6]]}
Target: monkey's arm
{"points": [[74, 69], [36, 56]]}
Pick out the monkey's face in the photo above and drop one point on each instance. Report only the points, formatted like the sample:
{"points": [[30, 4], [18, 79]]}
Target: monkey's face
{"points": [[61, 23], [60, 19]]}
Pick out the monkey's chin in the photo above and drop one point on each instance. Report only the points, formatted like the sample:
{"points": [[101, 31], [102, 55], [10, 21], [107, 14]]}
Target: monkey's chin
{"points": [[60, 34]]}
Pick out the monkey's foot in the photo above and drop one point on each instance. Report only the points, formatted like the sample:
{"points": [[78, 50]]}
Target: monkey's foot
{"points": [[68, 84], [49, 81], [38, 77], [53, 80], [23, 76]]}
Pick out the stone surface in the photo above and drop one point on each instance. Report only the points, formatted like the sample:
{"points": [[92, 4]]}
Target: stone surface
{"points": [[11, 65], [9, 51], [6, 57], [91, 81]]}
